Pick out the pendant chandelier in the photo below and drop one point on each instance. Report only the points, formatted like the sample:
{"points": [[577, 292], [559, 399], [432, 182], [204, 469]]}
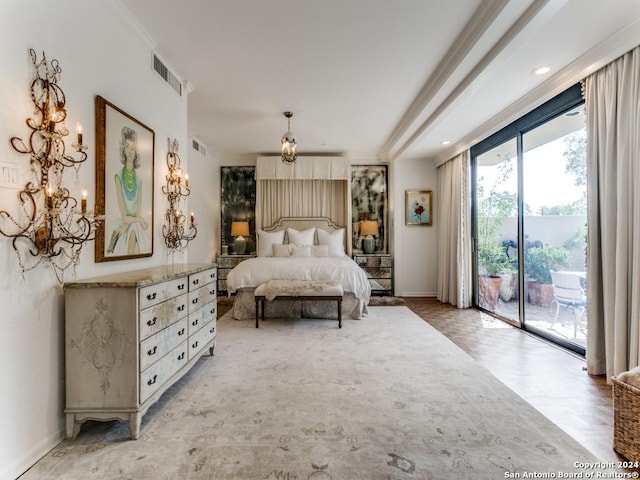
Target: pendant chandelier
{"points": [[289, 147]]}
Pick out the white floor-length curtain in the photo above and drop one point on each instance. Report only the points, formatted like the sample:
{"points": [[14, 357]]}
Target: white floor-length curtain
{"points": [[612, 98], [454, 232]]}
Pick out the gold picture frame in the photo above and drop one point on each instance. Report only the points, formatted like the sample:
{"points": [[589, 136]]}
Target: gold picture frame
{"points": [[124, 184], [418, 207]]}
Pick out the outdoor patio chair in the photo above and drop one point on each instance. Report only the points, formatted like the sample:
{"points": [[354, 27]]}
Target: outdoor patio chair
{"points": [[568, 291]]}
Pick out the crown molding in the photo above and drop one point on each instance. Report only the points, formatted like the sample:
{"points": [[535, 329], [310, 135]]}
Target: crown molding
{"points": [[117, 7]]}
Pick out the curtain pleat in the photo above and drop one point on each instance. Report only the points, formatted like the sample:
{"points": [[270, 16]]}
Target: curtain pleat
{"points": [[612, 97], [454, 232], [302, 198]]}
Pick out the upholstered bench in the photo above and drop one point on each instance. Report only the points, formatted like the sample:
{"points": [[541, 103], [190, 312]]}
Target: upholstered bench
{"points": [[284, 290]]}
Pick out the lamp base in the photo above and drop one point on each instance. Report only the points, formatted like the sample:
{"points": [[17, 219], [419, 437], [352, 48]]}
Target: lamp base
{"points": [[239, 246], [369, 244]]}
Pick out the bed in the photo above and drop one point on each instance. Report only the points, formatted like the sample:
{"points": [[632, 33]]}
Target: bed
{"points": [[300, 249]]}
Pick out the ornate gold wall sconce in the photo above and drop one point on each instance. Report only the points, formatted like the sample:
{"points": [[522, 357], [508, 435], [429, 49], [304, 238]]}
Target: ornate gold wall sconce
{"points": [[53, 226], [176, 232]]}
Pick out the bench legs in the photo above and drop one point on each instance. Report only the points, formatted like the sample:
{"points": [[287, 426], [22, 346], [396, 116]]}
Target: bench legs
{"points": [[260, 301]]}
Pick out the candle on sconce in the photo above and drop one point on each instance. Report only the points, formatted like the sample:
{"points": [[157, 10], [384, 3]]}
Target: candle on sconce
{"points": [[186, 180], [193, 218], [49, 196], [79, 130], [83, 202]]}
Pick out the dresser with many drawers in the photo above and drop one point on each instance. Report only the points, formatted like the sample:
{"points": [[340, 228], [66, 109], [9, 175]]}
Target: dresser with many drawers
{"points": [[130, 336]]}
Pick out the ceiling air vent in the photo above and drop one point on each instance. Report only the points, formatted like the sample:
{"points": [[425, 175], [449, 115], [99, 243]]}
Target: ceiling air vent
{"points": [[167, 75], [198, 147]]}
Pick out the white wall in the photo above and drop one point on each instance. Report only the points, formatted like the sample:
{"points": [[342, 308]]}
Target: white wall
{"points": [[100, 53], [414, 246], [204, 201]]}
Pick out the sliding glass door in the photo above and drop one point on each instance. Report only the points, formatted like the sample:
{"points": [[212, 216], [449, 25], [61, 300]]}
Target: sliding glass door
{"points": [[497, 231], [529, 222], [555, 227]]}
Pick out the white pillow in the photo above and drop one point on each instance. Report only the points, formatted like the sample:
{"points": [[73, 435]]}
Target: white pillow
{"points": [[320, 251], [335, 242], [304, 251], [304, 237], [266, 240], [281, 250]]}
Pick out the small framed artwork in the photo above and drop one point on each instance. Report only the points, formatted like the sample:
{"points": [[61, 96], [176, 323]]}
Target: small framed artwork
{"points": [[418, 207], [124, 184]]}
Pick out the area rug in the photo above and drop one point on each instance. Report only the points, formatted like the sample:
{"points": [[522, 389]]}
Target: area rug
{"points": [[386, 397]]}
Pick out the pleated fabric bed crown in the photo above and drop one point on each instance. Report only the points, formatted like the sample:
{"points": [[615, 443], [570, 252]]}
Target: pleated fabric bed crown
{"points": [[305, 168]]}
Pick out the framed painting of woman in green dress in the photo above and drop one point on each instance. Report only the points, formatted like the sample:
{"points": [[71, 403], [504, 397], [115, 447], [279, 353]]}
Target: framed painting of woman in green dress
{"points": [[124, 184]]}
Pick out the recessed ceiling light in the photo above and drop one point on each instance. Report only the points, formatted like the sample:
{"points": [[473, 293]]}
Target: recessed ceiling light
{"points": [[541, 70], [445, 142]]}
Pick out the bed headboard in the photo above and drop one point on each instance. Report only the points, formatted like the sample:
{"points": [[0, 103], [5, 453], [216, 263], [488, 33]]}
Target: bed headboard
{"points": [[303, 223]]}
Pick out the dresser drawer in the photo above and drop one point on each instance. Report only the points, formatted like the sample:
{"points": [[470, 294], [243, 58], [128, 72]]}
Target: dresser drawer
{"points": [[158, 345], [380, 284], [202, 316], [200, 339], [197, 280], [201, 296], [154, 294], [378, 272], [155, 318], [158, 373]]}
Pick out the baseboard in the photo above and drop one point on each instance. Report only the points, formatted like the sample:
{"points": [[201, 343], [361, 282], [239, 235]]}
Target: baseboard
{"points": [[26, 460]]}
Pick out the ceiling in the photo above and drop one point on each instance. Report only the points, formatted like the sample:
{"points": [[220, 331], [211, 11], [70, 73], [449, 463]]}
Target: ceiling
{"points": [[375, 79]]}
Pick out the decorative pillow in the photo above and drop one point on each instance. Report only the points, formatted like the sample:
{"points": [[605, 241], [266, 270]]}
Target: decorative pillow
{"points": [[281, 250], [266, 240], [320, 251], [334, 241], [304, 251], [304, 237]]}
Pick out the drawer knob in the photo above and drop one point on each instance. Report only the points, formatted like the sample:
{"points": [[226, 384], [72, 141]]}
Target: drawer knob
{"points": [[212, 311], [152, 322], [181, 307], [181, 356], [195, 322], [212, 292], [195, 344], [181, 332], [213, 329], [196, 281], [181, 286], [194, 301], [152, 296], [152, 351], [152, 380]]}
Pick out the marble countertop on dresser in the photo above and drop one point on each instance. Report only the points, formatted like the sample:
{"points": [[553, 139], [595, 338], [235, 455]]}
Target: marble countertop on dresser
{"points": [[142, 277]]}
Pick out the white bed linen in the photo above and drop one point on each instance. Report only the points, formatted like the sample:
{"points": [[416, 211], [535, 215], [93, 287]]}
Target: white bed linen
{"points": [[256, 271]]}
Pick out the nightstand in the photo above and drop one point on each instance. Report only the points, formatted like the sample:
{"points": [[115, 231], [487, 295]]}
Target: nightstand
{"points": [[226, 264], [379, 270]]}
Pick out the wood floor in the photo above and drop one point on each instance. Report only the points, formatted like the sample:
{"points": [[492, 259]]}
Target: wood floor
{"points": [[548, 377]]}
